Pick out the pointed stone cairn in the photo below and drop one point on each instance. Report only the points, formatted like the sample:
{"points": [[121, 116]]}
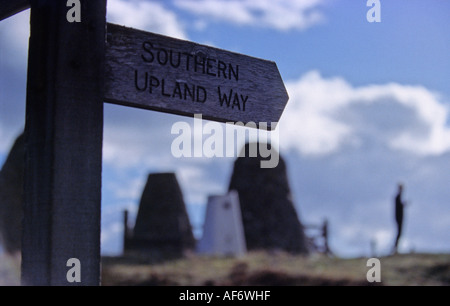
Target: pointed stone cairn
{"points": [[11, 196], [162, 229], [270, 219]]}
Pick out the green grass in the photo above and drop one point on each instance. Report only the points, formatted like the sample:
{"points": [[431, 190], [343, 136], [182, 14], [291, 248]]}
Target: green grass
{"points": [[9, 271], [262, 269], [278, 269]]}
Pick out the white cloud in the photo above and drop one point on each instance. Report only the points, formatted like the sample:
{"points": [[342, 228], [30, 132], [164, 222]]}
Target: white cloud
{"points": [[145, 15], [196, 184], [277, 14], [111, 232], [431, 111], [130, 190], [307, 122], [14, 34], [383, 239], [120, 207], [326, 114], [137, 138], [6, 143]]}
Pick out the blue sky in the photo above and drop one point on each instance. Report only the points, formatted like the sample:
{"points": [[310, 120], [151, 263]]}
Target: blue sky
{"points": [[369, 107]]}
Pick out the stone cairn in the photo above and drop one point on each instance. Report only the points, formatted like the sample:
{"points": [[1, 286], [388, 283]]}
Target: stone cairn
{"points": [[162, 229], [270, 219]]}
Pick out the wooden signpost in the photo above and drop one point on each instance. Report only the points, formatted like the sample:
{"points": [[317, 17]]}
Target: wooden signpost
{"points": [[71, 72], [63, 136], [165, 74]]}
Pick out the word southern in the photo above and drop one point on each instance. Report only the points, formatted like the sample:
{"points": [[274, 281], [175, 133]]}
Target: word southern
{"points": [[199, 63]]}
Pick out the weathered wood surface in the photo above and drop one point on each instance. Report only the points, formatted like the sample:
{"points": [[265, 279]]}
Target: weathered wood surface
{"points": [[12, 7], [156, 72], [63, 137]]}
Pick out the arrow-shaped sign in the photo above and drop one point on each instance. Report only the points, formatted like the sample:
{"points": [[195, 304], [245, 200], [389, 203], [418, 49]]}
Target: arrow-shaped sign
{"points": [[156, 72]]}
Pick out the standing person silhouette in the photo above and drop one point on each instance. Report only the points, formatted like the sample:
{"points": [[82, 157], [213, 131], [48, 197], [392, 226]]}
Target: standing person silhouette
{"points": [[399, 212]]}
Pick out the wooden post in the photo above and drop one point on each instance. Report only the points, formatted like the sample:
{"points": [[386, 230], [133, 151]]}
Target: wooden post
{"points": [[125, 231], [63, 134]]}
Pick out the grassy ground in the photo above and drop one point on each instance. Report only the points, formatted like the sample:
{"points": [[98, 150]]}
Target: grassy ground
{"points": [[277, 269], [9, 271], [262, 269]]}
